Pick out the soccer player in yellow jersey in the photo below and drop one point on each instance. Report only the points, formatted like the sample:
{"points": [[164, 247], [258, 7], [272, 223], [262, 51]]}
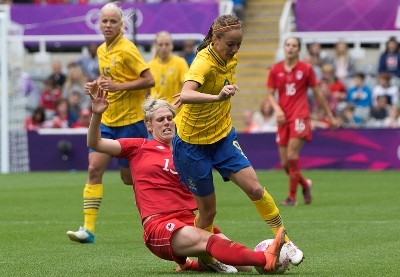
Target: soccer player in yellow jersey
{"points": [[205, 137], [168, 69], [125, 74]]}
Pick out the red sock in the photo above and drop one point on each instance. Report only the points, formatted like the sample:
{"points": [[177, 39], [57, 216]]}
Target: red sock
{"points": [[233, 253], [294, 177], [303, 182]]}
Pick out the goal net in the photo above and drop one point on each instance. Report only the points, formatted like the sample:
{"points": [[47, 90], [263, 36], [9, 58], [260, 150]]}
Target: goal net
{"points": [[14, 142]]}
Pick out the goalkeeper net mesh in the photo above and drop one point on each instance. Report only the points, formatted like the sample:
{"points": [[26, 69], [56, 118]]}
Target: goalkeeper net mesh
{"points": [[13, 101]]}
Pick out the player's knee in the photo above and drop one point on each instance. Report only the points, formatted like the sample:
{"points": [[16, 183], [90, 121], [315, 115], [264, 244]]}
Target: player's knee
{"points": [[255, 192], [94, 172]]}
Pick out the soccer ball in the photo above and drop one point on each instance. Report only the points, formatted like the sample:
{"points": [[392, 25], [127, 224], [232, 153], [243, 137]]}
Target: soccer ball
{"points": [[283, 258]]}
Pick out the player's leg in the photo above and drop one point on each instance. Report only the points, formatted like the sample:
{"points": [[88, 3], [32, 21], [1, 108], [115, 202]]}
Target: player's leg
{"points": [[195, 169], [299, 134], [92, 197], [189, 241]]}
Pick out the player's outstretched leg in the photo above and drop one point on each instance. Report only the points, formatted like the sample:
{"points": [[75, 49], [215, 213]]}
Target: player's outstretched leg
{"points": [[273, 251], [217, 266]]}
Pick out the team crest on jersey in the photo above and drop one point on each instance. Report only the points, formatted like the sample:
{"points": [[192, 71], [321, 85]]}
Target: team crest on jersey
{"points": [[160, 147], [170, 226], [299, 74], [113, 61]]}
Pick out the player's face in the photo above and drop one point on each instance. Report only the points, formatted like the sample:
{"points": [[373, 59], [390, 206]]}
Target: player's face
{"points": [[292, 48], [164, 47], [228, 45], [110, 24], [162, 125]]}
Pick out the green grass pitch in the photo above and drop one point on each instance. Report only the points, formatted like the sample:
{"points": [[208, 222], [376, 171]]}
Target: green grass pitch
{"points": [[352, 228]]}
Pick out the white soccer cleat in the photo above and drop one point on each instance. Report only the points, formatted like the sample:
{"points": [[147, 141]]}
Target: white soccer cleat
{"points": [[218, 267], [81, 236], [293, 253]]}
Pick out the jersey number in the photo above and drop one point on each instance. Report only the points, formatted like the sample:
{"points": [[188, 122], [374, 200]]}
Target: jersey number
{"points": [[290, 89], [299, 125], [165, 168]]}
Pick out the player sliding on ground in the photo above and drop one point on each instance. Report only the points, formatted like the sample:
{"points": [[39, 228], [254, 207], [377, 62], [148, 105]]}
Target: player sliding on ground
{"points": [[165, 205]]}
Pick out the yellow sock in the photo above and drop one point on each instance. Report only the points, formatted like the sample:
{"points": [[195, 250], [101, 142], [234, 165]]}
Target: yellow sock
{"points": [[207, 258], [92, 195], [268, 210]]}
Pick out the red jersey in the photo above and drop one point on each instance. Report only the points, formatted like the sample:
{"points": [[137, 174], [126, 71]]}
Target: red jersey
{"points": [[48, 99], [156, 182], [292, 88]]}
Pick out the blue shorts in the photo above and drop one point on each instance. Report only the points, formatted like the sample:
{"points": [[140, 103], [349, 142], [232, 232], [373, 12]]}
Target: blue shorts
{"points": [[195, 162], [136, 130]]}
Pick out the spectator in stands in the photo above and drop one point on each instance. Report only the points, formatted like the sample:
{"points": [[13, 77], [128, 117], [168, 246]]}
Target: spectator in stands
{"points": [[167, 69], [389, 60], [379, 112], [319, 120], [333, 89], [90, 63], [35, 121], [76, 82], [49, 96], [57, 75], [63, 118], [315, 55], [189, 51], [239, 7], [348, 119], [28, 88], [384, 87], [250, 126], [343, 63], [74, 101], [84, 119], [265, 117], [393, 120], [360, 95]]}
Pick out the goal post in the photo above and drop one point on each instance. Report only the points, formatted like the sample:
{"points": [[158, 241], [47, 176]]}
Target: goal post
{"points": [[14, 139], [4, 19]]}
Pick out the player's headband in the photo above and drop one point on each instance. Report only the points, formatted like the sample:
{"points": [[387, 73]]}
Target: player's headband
{"points": [[221, 28]]}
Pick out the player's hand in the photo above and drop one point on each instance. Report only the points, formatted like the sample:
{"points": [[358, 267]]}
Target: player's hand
{"points": [[107, 83], [280, 117], [227, 92], [91, 87], [178, 102], [99, 102], [334, 123]]}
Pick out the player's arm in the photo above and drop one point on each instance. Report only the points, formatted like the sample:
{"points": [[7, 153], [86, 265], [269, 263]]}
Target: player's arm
{"points": [[189, 95], [280, 115], [318, 95], [94, 139], [146, 80]]}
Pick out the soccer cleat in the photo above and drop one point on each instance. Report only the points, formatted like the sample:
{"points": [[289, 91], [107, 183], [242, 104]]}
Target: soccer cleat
{"points": [[289, 202], [190, 265], [218, 267], [82, 236], [294, 254], [273, 251], [307, 192]]}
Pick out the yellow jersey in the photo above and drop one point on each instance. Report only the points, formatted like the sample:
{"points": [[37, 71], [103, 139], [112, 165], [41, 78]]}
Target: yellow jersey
{"points": [[122, 62], [168, 76], [207, 123]]}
